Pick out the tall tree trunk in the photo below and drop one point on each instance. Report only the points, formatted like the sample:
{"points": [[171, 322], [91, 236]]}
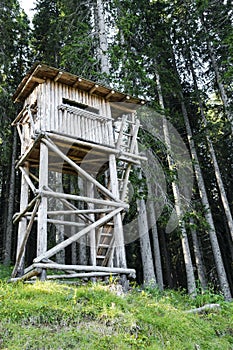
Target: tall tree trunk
{"points": [[221, 87], [11, 202], [103, 41], [208, 215], [155, 238], [198, 257], [217, 172], [146, 254], [191, 284]]}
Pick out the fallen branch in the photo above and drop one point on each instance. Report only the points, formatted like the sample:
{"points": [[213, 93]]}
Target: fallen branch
{"points": [[202, 309]]}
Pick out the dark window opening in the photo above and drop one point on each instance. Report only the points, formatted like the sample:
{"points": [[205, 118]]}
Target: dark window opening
{"points": [[80, 105]]}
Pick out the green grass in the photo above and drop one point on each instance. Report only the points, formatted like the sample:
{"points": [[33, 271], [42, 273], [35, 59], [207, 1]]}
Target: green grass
{"points": [[49, 315]]}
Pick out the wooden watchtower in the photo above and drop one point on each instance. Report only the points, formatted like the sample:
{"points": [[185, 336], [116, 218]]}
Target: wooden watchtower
{"points": [[73, 126]]}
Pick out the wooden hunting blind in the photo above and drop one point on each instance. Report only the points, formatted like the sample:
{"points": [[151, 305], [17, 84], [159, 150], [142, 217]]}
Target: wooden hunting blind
{"points": [[72, 128]]}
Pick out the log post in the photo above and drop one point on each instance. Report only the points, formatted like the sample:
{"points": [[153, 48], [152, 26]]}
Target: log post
{"points": [[43, 207], [92, 239], [118, 227], [23, 222]]}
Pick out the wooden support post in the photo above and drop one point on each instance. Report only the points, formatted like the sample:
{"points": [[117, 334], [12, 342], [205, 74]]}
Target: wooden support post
{"points": [[79, 234], [27, 178], [79, 170], [82, 242], [23, 222], [118, 227], [92, 238], [43, 207], [24, 241]]}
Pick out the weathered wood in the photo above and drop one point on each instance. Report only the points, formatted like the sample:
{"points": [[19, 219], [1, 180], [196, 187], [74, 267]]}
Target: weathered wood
{"points": [[80, 171], [23, 222], [20, 133], [24, 241], [79, 211], [31, 119], [75, 237], [81, 198], [81, 275], [121, 132], [92, 238], [204, 309], [27, 178], [43, 207], [17, 119], [118, 227], [74, 140], [65, 223], [55, 266], [32, 273], [20, 215]]}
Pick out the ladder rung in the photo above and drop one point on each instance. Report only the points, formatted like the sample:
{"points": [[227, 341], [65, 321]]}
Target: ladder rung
{"points": [[100, 256], [101, 245], [106, 234]]}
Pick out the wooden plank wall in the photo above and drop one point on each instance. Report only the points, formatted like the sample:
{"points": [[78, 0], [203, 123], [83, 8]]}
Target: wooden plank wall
{"points": [[50, 96]]}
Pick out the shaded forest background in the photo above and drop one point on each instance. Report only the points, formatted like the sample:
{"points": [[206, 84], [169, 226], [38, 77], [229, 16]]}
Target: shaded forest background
{"points": [[178, 56]]}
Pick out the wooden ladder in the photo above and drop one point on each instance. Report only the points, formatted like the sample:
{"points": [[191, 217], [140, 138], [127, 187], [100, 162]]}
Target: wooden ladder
{"points": [[105, 242], [127, 141]]}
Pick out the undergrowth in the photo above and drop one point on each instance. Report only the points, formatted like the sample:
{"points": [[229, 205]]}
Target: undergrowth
{"points": [[53, 316]]}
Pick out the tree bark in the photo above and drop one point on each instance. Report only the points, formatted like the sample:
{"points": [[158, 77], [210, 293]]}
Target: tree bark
{"points": [[198, 257], [146, 254], [155, 238], [11, 202], [208, 215], [191, 284], [103, 42], [221, 87]]}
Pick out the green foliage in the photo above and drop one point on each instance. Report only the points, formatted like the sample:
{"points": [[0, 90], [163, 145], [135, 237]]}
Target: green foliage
{"points": [[53, 316]]}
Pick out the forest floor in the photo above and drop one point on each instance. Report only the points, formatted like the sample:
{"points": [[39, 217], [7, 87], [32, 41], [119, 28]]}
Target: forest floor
{"points": [[47, 315]]}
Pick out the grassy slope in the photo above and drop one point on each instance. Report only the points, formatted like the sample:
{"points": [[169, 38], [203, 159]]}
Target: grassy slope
{"points": [[52, 316]]}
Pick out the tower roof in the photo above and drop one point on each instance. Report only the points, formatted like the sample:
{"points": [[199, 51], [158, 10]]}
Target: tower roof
{"points": [[40, 72]]}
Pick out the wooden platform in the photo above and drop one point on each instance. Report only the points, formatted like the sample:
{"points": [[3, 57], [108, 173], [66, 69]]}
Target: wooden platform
{"points": [[92, 157]]}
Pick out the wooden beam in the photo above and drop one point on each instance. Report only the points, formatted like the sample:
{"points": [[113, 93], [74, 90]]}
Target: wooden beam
{"points": [[93, 89], [86, 144], [79, 211], [23, 212], [27, 178], [39, 80], [43, 207], [109, 94], [27, 82], [26, 276], [118, 227], [20, 133], [24, 157], [66, 223], [81, 275], [25, 239], [79, 170], [78, 81], [61, 195], [58, 76], [15, 122], [75, 237], [55, 266]]}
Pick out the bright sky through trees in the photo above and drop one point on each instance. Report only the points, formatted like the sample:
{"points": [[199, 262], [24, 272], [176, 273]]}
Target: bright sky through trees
{"points": [[27, 5]]}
